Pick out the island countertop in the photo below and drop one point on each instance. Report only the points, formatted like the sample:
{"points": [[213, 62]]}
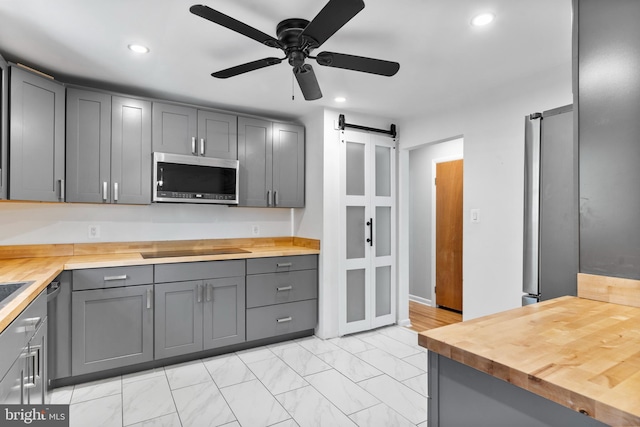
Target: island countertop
{"points": [[580, 353], [41, 264]]}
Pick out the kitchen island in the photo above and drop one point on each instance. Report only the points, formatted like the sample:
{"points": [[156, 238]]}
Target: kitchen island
{"points": [[567, 361]]}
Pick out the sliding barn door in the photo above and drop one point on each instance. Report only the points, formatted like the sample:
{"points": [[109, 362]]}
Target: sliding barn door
{"points": [[367, 232]]}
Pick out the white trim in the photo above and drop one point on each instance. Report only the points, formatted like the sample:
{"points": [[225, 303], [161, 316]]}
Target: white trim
{"points": [[404, 322], [433, 219], [420, 300]]}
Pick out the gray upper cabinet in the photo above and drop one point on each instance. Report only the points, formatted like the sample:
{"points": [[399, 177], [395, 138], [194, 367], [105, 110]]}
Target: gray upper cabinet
{"points": [[4, 123], [271, 163], [36, 137], [288, 165], [185, 130], [108, 148]]}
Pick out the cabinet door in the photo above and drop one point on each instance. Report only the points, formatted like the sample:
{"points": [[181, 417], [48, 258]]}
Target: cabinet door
{"points": [[111, 328], [288, 165], [4, 122], [178, 319], [217, 135], [255, 156], [88, 146], [174, 129], [224, 316], [36, 367], [131, 151], [36, 138]]}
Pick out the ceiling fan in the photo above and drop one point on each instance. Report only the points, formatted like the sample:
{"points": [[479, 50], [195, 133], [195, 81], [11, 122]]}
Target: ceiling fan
{"points": [[297, 38]]}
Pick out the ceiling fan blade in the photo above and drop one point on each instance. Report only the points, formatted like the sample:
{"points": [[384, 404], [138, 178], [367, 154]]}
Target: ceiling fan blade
{"points": [[234, 25], [330, 19], [307, 82], [245, 68], [357, 63]]}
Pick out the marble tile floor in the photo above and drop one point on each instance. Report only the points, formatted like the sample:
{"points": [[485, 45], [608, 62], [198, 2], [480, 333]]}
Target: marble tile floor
{"points": [[375, 378]]}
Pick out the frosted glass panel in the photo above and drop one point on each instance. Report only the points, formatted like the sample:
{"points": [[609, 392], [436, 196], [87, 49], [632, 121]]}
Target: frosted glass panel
{"points": [[383, 171], [383, 291], [355, 169], [383, 231], [355, 232], [355, 295]]}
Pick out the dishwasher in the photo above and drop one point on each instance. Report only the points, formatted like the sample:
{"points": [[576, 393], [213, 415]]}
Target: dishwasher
{"points": [[59, 331]]}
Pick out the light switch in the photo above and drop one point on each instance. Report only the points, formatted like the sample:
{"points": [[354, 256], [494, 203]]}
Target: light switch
{"points": [[475, 215]]}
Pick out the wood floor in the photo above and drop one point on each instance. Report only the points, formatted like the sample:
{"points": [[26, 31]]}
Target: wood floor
{"points": [[424, 317]]}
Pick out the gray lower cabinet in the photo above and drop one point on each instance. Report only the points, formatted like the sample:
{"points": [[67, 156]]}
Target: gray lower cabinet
{"points": [[108, 148], [111, 328], [181, 129], [36, 137], [198, 315], [282, 295], [271, 159], [23, 347]]}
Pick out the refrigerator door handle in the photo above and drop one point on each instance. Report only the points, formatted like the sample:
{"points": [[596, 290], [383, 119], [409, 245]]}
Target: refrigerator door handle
{"points": [[531, 204]]}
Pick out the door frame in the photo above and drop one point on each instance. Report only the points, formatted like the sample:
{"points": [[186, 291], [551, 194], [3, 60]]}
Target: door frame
{"points": [[434, 301]]}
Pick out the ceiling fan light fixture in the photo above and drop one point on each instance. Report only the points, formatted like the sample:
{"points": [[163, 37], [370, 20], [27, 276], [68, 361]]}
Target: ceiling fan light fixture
{"points": [[483, 19], [138, 48]]}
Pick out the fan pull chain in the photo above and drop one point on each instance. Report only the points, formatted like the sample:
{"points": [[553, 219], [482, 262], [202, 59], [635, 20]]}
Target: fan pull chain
{"points": [[292, 89]]}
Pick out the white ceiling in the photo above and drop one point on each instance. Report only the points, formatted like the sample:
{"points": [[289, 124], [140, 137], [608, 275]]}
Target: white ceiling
{"points": [[443, 60]]}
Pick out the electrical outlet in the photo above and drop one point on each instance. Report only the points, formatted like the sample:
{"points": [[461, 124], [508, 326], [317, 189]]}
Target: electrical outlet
{"points": [[93, 232], [255, 230], [475, 215]]}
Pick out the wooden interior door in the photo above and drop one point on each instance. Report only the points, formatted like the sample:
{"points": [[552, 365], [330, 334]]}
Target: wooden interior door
{"points": [[449, 234]]}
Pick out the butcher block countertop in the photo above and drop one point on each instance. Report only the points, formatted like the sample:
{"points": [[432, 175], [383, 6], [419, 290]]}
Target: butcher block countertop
{"points": [[42, 263], [580, 353]]}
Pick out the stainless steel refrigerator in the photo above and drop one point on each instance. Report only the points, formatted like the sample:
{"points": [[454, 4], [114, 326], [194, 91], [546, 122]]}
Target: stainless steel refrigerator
{"points": [[550, 206]]}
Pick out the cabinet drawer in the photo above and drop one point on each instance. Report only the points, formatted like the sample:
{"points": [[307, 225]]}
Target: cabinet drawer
{"points": [[279, 264], [200, 270], [273, 320], [15, 337], [112, 277], [277, 288]]}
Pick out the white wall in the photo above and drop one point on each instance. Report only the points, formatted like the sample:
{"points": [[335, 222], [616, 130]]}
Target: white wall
{"points": [[421, 165], [492, 126], [38, 223]]}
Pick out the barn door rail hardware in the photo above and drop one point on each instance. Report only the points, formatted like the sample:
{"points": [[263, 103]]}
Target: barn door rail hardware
{"points": [[342, 124]]}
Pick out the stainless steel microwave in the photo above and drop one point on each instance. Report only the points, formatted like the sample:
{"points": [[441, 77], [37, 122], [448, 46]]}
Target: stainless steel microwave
{"points": [[192, 179]]}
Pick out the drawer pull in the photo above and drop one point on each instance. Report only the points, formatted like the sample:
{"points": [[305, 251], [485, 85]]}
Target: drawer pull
{"points": [[283, 264], [112, 278], [32, 323], [285, 319], [285, 288]]}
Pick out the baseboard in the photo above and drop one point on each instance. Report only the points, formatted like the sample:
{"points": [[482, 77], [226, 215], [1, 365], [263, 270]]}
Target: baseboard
{"points": [[420, 300], [405, 323]]}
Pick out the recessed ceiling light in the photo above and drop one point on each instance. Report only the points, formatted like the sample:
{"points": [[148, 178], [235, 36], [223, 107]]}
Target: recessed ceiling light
{"points": [[340, 99], [138, 48], [482, 19]]}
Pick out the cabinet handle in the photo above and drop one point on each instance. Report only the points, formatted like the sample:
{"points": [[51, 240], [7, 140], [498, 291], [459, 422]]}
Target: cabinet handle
{"points": [[202, 145], [193, 146], [283, 264], [209, 286], [149, 296], [275, 198], [31, 324], [104, 191], [269, 198], [62, 189], [115, 191], [112, 278], [199, 293], [285, 319], [284, 288]]}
